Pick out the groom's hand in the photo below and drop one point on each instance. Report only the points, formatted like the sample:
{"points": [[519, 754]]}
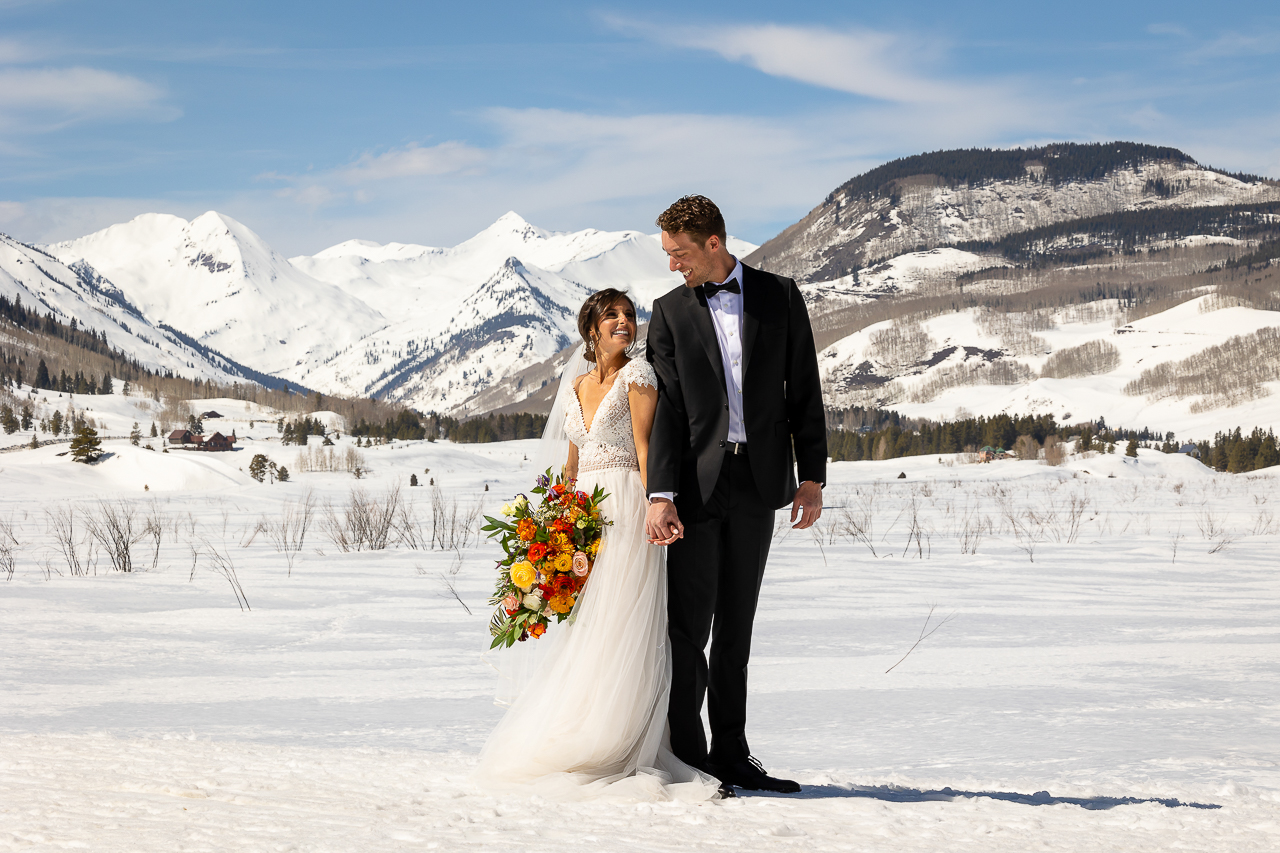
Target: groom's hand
{"points": [[807, 505], [662, 522]]}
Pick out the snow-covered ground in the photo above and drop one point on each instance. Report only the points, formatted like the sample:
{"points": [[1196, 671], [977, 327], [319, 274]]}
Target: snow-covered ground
{"points": [[1109, 637]]}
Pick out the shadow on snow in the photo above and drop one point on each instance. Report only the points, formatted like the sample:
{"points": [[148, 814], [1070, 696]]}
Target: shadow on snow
{"points": [[896, 794]]}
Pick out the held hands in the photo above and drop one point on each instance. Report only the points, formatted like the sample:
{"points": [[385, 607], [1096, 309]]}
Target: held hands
{"points": [[662, 523], [807, 505]]}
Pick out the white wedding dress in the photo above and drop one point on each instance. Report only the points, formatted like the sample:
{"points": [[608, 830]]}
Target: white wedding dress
{"points": [[591, 721]]}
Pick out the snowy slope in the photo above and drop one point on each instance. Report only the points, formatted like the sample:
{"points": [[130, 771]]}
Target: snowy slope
{"points": [[856, 372], [220, 283], [847, 232], [78, 292], [470, 315], [1106, 679]]}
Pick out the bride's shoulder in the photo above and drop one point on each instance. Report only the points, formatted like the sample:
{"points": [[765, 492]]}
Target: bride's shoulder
{"points": [[639, 371]]}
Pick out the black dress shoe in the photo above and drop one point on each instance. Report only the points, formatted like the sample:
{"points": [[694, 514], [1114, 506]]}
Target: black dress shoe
{"points": [[749, 775], [726, 792]]}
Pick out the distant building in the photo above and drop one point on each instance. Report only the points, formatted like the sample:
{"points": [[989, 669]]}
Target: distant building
{"points": [[216, 442], [1191, 450], [208, 415], [183, 436]]}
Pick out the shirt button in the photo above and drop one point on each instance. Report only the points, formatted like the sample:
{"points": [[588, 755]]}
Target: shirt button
{"points": [[735, 364]]}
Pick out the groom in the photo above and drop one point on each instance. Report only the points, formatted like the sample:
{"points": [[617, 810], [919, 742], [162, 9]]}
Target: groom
{"points": [[738, 389]]}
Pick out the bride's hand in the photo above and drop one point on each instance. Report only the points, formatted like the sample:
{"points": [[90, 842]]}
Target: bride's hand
{"points": [[662, 522]]}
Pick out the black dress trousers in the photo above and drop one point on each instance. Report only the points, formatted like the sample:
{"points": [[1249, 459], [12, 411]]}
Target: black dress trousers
{"points": [[713, 583]]}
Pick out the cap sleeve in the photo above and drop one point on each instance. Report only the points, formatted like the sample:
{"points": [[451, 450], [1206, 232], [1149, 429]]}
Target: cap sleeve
{"points": [[640, 372]]}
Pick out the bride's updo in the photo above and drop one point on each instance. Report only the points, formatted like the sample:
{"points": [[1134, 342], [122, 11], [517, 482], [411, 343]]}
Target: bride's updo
{"points": [[592, 310]]}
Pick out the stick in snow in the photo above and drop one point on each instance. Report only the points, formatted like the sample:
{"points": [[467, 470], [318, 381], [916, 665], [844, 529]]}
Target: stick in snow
{"points": [[923, 635]]}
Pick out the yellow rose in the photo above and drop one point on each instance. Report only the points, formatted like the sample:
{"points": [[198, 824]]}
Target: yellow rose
{"points": [[522, 574]]}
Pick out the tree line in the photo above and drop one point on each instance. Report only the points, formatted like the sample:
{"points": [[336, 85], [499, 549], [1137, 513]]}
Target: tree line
{"points": [[1061, 163], [1124, 231]]}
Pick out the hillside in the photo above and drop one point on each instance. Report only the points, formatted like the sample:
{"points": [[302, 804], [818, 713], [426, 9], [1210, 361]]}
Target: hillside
{"points": [[980, 195]]}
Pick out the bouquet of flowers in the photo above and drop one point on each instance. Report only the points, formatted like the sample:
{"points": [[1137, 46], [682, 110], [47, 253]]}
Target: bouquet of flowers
{"points": [[550, 550]]}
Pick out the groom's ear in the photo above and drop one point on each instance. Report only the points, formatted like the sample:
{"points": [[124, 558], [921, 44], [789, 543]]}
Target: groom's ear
{"points": [[713, 243]]}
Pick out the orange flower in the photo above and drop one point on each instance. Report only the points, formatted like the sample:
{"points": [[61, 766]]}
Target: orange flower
{"points": [[561, 602], [526, 529], [560, 540], [537, 552], [537, 630]]}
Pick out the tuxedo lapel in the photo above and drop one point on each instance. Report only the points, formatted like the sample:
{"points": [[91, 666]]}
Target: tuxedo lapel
{"points": [[706, 331], [752, 300]]}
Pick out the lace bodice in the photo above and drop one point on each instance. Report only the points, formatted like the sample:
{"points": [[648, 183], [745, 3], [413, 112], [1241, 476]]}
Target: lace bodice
{"points": [[609, 443]]}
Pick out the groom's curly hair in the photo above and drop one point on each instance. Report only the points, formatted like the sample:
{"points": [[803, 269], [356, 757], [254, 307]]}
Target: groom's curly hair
{"points": [[695, 215], [592, 310]]}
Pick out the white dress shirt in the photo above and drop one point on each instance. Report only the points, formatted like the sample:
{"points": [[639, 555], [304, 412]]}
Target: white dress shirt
{"points": [[726, 318]]}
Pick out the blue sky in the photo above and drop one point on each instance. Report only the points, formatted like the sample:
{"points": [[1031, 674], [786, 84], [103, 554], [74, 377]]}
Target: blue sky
{"points": [[318, 122]]}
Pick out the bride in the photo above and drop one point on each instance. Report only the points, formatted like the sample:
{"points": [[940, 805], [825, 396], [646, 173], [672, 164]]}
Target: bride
{"points": [[591, 718]]}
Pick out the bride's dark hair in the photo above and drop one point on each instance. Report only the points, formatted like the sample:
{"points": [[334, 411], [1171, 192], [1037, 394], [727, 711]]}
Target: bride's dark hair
{"points": [[592, 310]]}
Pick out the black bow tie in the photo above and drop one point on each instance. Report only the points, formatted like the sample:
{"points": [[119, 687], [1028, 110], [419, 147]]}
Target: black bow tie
{"points": [[730, 286]]}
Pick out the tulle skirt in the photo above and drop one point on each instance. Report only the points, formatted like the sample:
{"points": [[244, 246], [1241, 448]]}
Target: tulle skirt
{"points": [[589, 719]]}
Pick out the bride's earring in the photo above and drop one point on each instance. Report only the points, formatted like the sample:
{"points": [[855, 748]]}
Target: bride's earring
{"points": [[591, 344]]}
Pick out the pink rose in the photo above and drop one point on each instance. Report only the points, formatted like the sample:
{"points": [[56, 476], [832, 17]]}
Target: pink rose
{"points": [[580, 564], [511, 602]]}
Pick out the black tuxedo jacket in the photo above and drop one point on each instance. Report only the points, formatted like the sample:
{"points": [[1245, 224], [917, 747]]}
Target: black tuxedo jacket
{"points": [[781, 392]]}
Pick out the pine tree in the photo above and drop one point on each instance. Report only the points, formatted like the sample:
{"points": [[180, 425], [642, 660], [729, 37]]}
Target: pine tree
{"points": [[8, 420], [86, 446], [55, 423], [1132, 449], [105, 386], [154, 432], [135, 435], [42, 376], [413, 479], [125, 389], [261, 467], [27, 420], [283, 474]]}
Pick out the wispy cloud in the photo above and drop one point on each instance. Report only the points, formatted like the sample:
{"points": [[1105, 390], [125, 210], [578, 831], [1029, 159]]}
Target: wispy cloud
{"points": [[413, 161], [881, 65], [46, 98]]}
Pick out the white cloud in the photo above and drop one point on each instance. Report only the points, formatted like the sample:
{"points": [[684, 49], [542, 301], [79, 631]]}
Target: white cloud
{"points": [[34, 98], [414, 161], [879, 65]]}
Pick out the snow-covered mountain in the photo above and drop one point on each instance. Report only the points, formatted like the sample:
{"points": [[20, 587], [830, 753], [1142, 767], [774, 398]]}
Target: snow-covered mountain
{"points": [[79, 293], [954, 197], [430, 327], [220, 283], [468, 316]]}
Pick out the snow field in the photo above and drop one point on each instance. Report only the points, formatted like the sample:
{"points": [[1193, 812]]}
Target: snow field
{"points": [[1110, 637]]}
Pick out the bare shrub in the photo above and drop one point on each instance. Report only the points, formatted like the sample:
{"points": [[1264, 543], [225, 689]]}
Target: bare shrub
{"points": [[153, 525], [1027, 447], [972, 528], [290, 532], [1002, 371], [1076, 507], [76, 551], [857, 521], [1223, 375], [222, 565], [115, 528], [1055, 452], [365, 523], [451, 527], [1088, 359], [174, 414], [315, 457], [8, 543], [903, 344]]}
